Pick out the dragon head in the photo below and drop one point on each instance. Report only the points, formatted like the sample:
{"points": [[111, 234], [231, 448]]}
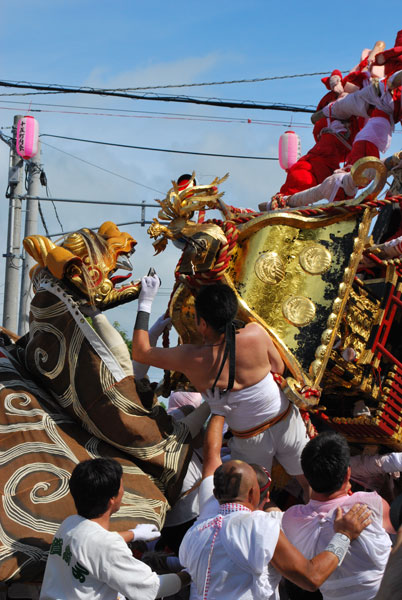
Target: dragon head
{"points": [[178, 208], [86, 262]]}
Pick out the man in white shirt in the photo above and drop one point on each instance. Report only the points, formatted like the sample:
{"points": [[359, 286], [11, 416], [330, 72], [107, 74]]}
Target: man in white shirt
{"points": [[227, 556], [86, 560], [209, 505], [325, 462]]}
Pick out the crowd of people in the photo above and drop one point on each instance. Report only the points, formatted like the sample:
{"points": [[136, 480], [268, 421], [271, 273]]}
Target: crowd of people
{"points": [[229, 535]]}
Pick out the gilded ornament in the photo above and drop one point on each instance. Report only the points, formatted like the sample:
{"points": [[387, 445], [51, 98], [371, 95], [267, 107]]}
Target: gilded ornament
{"points": [[269, 268], [342, 290], [294, 393], [326, 336], [320, 351], [298, 310], [331, 321], [88, 260], [177, 209], [315, 367], [315, 259], [362, 173], [336, 307]]}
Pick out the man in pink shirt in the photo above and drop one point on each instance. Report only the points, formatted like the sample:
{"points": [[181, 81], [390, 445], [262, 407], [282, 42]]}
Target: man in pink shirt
{"points": [[325, 462]]}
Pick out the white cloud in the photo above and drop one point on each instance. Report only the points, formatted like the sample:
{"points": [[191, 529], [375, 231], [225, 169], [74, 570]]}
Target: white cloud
{"points": [[186, 70]]}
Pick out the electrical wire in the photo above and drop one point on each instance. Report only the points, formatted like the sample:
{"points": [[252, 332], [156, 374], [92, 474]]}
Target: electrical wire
{"points": [[255, 80], [49, 195], [63, 137], [42, 218], [161, 97], [82, 201], [153, 113], [167, 116], [147, 187], [63, 233], [182, 85]]}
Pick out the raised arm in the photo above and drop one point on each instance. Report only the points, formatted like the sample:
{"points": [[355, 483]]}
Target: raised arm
{"points": [[140, 369], [311, 574], [213, 445], [174, 359]]}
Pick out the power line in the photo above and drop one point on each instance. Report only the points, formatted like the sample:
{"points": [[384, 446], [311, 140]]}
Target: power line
{"points": [[64, 233], [255, 80], [103, 169], [42, 218], [63, 137], [202, 84], [151, 115], [49, 195], [146, 112], [160, 97], [107, 202]]}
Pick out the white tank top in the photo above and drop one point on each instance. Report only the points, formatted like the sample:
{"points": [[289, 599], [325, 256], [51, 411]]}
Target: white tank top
{"points": [[249, 407]]}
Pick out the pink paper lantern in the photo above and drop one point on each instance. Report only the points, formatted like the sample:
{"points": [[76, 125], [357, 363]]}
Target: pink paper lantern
{"points": [[27, 137], [289, 149]]}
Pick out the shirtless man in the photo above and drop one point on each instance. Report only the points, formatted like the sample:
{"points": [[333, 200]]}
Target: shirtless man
{"points": [[237, 385]]}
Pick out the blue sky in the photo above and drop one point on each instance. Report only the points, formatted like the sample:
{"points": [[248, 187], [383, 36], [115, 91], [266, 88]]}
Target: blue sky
{"points": [[128, 44]]}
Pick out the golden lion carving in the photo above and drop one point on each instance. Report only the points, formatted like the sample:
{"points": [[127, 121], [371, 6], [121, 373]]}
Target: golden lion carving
{"points": [[86, 261]]}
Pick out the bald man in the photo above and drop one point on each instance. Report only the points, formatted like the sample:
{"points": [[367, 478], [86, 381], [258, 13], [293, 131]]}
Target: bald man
{"points": [[228, 555]]}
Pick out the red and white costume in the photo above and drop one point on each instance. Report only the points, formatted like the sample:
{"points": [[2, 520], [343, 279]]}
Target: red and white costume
{"points": [[377, 133], [331, 148], [375, 137]]}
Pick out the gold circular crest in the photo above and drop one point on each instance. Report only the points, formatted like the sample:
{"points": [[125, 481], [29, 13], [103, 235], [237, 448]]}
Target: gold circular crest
{"points": [[315, 259], [269, 268], [298, 310]]}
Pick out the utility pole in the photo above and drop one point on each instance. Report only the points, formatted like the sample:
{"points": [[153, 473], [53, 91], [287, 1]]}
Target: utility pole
{"points": [[13, 254], [31, 227]]}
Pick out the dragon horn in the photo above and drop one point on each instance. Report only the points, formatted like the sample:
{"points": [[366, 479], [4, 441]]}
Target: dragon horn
{"points": [[38, 247]]}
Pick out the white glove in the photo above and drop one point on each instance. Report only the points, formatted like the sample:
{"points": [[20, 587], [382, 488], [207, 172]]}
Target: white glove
{"points": [[158, 327], [149, 287], [145, 532], [392, 463]]}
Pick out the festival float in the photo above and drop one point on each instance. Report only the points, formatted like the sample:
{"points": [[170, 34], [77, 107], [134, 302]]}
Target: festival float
{"points": [[300, 274], [319, 278]]}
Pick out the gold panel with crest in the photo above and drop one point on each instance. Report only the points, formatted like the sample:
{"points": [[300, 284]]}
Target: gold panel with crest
{"points": [[293, 274]]}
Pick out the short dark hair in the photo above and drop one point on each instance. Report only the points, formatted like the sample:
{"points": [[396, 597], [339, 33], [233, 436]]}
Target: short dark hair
{"points": [[217, 305], [263, 478], [226, 484], [325, 460], [93, 483]]}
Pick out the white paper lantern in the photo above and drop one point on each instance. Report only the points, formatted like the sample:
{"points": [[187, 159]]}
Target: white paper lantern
{"points": [[289, 149]]}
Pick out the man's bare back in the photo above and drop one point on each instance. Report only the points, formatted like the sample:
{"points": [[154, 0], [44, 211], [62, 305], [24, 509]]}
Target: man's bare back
{"points": [[256, 356]]}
